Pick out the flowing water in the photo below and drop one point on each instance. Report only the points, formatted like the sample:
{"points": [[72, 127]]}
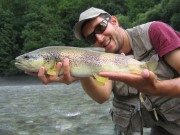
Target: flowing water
{"points": [[56, 109], [27, 107]]}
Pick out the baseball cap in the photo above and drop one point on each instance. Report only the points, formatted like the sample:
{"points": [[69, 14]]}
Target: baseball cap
{"points": [[86, 15]]}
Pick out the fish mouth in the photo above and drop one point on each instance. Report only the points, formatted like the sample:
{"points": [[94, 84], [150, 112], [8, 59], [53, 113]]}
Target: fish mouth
{"points": [[20, 66], [24, 67]]}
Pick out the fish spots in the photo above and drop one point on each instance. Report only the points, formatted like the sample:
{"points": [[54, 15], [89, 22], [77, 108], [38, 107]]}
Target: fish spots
{"points": [[45, 56], [134, 62], [56, 55], [90, 59], [47, 59], [83, 63], [121, 60], [114, 59]]}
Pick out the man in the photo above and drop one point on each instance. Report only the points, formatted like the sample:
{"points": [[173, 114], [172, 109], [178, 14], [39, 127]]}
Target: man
{"points": [[131, 109]]}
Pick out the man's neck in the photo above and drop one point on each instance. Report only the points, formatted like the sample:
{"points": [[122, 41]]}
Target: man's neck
{"points": [[126, 47]]}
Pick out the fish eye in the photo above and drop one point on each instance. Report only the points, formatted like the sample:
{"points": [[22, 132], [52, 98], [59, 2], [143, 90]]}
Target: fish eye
{"points": [[26, 57]]}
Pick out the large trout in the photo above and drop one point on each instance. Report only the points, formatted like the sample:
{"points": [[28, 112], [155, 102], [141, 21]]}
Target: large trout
{"points": [[83, 62]]}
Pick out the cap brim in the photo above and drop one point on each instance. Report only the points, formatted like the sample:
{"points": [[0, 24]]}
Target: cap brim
{"points": [[78, 25], [77, 30]]}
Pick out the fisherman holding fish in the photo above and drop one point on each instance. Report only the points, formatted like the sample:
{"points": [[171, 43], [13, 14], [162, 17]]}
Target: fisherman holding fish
{"points": [[150, 99]]}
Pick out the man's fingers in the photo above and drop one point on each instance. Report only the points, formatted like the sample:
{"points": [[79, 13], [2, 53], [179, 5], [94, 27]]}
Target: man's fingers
{"points": [[59, 66], [119, 76], [145, 73], [42, 76], [66, 69], [56, 77], [64, 78], [67, 75]]}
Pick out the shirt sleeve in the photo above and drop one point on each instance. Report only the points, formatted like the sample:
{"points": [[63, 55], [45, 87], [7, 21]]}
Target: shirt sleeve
{"points": [[164, 38]]}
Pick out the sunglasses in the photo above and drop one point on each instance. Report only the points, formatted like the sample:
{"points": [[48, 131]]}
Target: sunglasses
{"points": [[99, 29]]}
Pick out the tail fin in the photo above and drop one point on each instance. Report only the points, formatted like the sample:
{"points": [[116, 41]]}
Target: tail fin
{"points": [[152, 63]]}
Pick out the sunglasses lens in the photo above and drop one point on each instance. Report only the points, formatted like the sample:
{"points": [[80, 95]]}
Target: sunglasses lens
{"points": [[101, 27]]}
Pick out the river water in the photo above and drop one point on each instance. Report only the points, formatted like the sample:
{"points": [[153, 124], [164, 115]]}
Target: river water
{"points": [[55, 109], [27, 107]]}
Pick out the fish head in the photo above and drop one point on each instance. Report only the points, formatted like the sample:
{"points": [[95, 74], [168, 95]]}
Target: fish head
{"points": [[32, 61]]}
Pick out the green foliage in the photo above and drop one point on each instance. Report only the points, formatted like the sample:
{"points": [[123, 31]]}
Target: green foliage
{"points": [[169, 7], [166, 11], [124, 21], [42, 29], [139, 6], [31, 24], [8, 43], [175, 21]]}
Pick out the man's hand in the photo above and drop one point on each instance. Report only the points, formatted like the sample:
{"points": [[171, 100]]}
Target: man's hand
{"points": [[65, 78], [146, 82]]}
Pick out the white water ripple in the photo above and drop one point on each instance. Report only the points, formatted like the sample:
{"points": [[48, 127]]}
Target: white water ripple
{"points": [[55, 109]]}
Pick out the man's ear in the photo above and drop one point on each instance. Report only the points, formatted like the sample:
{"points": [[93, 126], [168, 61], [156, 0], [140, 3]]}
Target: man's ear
{"points": [[114, 20]]}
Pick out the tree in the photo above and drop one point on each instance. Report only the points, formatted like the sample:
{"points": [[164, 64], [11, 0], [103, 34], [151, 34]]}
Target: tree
{"points": [[136, 7], [8, 47], [31, 24]]}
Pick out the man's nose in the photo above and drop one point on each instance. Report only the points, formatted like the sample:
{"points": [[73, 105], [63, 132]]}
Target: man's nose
{"points": [[99, 40], [99, 37]]}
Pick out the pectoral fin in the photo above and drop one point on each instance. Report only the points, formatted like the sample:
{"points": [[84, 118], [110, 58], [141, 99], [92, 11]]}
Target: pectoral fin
{"points": [[52, 71], [100, 80], [152, 65]]}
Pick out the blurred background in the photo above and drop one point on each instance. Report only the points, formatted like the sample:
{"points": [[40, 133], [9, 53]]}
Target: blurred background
{"points": [[26, 25], [27, 107]]}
